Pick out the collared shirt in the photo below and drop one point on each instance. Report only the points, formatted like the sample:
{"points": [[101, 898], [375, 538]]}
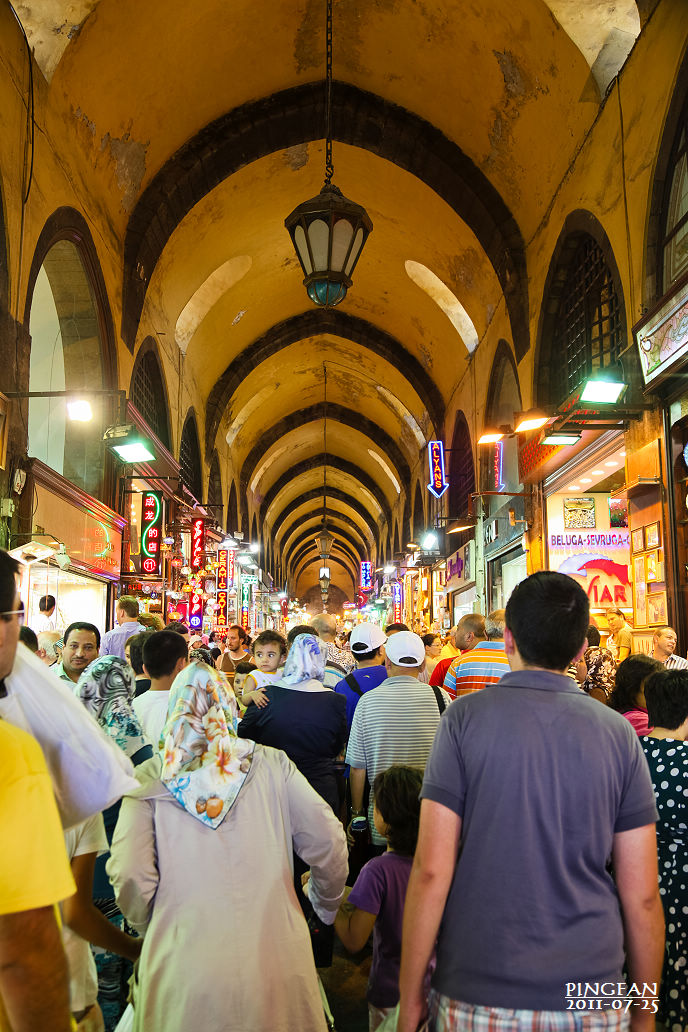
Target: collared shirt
{"points": [[60, 671], [477, 668], [115, 640], [675, 662]]}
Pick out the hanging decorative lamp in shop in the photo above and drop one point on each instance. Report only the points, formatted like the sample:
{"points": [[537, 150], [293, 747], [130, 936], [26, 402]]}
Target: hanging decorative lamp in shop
{"points": [[328, 231]]}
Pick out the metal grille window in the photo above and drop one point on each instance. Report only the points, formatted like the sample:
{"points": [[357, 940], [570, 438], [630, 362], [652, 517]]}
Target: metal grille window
{"points": [[190, 458], [674, 248], [589, 332], [215, 491], [148, 395]]}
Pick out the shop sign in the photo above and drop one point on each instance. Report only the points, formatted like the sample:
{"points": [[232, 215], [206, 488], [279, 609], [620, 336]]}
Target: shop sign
{"points": [[397, 602], [597, 558], [663, 339], [197, 545], [223, 582], [151, 533], [498, 466], [366, 576], [245, 602], [196, 611], [438, 482]]}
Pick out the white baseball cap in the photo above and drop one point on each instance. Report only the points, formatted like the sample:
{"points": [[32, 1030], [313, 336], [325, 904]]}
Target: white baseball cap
{"points": [[405, 649], [366, 637]]}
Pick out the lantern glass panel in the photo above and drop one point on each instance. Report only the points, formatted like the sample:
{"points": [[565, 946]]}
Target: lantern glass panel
{"points": [[341, 239], [319, 236], [355, 251], [302, 248]]}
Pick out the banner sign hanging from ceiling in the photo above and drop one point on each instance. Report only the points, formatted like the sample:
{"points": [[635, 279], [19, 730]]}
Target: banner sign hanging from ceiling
{"points": [[438, 482], [245, 603], [396, 602], [223, 582], [197, 545], [151, 531], [196, 611], [366, 576]]}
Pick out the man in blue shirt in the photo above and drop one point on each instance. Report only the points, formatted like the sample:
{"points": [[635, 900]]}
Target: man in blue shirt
{"points": [[367, 645], [127, 613]]}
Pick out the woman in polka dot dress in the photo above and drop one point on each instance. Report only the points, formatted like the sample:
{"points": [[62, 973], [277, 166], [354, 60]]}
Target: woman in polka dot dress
{"points": [[666, 751]]}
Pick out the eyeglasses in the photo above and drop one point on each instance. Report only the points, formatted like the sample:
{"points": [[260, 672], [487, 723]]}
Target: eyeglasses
{"points": [[19, 613]]}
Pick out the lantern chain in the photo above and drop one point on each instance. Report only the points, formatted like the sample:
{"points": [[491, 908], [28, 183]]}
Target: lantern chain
{"points": [[329, 167]]}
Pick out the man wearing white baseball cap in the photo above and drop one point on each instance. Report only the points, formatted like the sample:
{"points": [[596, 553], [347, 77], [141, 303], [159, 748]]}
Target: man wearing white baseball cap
{"points": [[395, 723], [367, 646]]}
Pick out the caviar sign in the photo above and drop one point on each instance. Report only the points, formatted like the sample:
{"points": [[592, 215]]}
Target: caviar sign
{"points": [[223, 582], [197, 545], [366, 576], [151, 524]]}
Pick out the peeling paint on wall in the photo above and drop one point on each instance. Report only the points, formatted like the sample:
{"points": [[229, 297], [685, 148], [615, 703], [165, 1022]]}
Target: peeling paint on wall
{"points": [[130, 166]]}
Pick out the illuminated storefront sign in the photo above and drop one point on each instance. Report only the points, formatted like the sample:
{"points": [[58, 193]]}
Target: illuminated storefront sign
{"points": [[196, 611], [222, 613], [498, 464], [197, 545], [582, 544], [245, 604], [438, 483], [366, 576], [663, 338], [397, 604], [231, 555], [151, 533]]}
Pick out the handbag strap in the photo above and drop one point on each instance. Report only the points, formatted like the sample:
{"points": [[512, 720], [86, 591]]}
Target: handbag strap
{"points": [[441, 704]]}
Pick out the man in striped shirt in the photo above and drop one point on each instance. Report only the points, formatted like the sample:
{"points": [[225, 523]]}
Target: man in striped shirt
{"points": [[393, 723], [483, 665], [664, 649]]}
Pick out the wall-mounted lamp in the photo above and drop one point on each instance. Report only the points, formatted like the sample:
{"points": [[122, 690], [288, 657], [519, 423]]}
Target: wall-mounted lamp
{"points": [[603, 387], [128, 443], [524, 422]]}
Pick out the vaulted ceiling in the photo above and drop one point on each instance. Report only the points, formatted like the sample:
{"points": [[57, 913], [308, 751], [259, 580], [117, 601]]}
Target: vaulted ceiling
{"points": [[202, 127]]}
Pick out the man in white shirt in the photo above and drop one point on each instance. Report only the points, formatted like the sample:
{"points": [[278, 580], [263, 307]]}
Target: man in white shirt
{"points": [[46, 619], [165, 653], [664, 649]]}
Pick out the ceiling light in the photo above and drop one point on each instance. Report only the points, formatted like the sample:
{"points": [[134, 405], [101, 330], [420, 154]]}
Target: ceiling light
{"points": [[128, 443], [603, 388], [612, 465], [585, 480], [79, 411], [412, 544], [490, 436], [598, 472], [573, 487], [430, 541], [560, 439], [328, 231], [533, 419]]}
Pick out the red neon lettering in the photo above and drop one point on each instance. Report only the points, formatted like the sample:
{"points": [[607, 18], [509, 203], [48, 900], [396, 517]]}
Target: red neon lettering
{"points": [[619, 593], [150, 565]]}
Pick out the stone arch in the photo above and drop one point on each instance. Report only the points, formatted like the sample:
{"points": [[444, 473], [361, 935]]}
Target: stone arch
{"points": [[333, 462], [296, 116], [215, 504], [461, 467], [335, 494], [503, 400], [319, 513], [190, 456], [418, 515], [578, 227], [232, 510], [148, 390]]}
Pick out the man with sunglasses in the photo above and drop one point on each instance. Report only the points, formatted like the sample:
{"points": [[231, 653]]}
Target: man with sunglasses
{"points": [[34, 870]]}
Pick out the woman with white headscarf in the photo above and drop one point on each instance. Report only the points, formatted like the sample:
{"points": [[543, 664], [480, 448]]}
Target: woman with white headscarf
{"points": [[303, 717], [212, 806]]}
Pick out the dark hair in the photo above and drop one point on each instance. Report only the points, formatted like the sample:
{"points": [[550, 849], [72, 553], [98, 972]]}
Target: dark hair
{"points": [[428, 639], [548, 614], [80, 625], [302, 628], [202, 655], [365, 656], [629, 679], [177, 626], [135, 644], [9, 569], [593, 636], [616, 611], [397, 797], [244, 636], [45, 603], [28, 637], [395, 627], [162, 651], [666, 695], [269, 638], [244, 667], [128, 604]]}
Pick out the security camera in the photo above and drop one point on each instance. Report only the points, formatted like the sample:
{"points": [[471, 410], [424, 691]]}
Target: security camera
{"points": [[62, 559]]}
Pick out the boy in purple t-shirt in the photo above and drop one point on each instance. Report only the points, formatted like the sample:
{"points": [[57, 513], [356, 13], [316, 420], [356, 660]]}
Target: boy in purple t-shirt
{"points": [[376, 902]]}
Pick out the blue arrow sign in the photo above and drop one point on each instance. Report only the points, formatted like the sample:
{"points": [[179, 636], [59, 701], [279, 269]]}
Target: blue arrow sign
{"points": [[438, 482]]}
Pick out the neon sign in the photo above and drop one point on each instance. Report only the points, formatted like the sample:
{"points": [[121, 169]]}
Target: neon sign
{"points": [[498, 466], [438, 482], [222, 613], [396, 602], [366, 576], [245, 603], [151, 559], [197, 545], [196, 611]]}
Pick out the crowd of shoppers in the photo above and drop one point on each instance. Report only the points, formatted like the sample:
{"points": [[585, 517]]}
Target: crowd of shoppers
{"points": [[457, 777]]}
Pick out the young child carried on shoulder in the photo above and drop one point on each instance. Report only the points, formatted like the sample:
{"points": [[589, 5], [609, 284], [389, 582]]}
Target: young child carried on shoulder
{"points": [[269, 653]]}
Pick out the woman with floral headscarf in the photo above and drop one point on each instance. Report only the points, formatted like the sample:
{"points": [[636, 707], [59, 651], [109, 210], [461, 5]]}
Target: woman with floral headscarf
{"points": [[304, 718], [210, 807]]}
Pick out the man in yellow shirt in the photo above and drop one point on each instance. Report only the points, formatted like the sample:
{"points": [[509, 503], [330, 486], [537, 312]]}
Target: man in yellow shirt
{"points": [[34, 870]]}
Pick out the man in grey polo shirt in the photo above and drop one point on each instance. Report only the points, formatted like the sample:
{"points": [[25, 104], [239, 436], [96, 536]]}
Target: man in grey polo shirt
{"points": [[394, 723], [531, 788]]}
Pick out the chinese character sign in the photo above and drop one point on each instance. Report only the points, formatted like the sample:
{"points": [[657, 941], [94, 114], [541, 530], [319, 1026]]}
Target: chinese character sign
{"points": [[151, 533], [438, 482], [396, 602], [197, 545], [222, 613], [366, 576]]}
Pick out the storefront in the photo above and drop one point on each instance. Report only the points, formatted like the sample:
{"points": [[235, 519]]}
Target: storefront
{"points": [[461, 591], [79, 560], [506, 561]]}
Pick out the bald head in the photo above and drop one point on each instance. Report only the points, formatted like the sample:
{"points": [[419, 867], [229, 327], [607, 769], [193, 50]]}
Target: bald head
{"points": [[46, 646], [325, 626], [469, 631]]}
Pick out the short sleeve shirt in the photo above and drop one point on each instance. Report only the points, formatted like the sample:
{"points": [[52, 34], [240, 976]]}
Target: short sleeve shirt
{"points": [[622, 640], [87, 837], [542, 777]]}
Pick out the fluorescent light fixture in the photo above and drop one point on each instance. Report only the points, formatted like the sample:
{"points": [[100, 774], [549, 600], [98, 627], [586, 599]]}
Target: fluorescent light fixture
{"points": [[135, 452], [430, 541], [128, 443], [602, 391], [533, 419], [412, 544], [389, 570], [79, 410], [490, 436], [255, 546], [560, 440]]}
